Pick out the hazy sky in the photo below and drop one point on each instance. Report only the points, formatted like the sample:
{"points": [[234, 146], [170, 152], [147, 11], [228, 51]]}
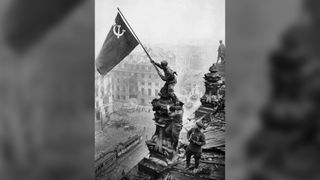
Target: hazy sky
{"points": [[164, 21]]}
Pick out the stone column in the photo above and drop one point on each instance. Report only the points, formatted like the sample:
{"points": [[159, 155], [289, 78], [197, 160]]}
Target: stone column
{"points": [[161, 145], [210, 99]]}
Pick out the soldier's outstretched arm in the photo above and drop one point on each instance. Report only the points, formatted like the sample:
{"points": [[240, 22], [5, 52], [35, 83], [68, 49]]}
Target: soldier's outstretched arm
{"points": [[157, 64]]}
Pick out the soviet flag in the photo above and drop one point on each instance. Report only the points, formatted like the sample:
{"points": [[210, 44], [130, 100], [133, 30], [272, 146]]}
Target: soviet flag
{"points": [[118, 44]]}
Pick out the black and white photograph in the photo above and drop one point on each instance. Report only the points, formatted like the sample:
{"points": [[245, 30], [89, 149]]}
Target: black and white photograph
{"points": [[160, 89]]}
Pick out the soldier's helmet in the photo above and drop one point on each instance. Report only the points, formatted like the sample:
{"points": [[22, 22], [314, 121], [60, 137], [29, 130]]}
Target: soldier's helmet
{"points": [[164, 63]]}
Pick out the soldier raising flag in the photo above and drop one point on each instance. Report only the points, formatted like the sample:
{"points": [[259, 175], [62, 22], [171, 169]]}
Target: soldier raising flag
{"points": [[120, 41], [170, 78]]}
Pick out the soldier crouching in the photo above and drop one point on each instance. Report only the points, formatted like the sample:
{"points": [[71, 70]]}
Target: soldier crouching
{"points": [[196, 139]]}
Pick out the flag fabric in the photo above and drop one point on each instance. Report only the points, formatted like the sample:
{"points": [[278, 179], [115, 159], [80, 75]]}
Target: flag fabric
{"points": [[118, 44]]}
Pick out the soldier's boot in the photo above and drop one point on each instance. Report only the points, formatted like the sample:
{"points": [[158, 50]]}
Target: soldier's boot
{"points": [[188, 158], [196, 164], [197, 157]]}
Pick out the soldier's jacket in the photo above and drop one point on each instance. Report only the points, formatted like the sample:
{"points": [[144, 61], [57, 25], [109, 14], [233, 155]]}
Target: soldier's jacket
{"points": [[194, 136], [169, 75]]}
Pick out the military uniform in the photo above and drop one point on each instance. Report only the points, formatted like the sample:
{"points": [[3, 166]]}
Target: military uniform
{"points": [[170, 79], [197, 139]]}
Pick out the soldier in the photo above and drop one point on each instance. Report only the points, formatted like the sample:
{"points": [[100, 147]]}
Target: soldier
{"points": [[196, 139], [170, 78], [221, 52], [176, 113]]}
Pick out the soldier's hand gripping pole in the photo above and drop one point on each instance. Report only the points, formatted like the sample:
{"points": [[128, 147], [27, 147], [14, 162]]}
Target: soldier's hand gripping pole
{"points": [[156, 67]]}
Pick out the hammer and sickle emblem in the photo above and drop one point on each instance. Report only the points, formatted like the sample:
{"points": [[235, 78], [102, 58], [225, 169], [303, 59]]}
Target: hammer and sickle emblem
{"points": [[117, 30]]}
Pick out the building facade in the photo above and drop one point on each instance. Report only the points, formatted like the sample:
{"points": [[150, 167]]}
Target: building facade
{"points": [[133, 80]]}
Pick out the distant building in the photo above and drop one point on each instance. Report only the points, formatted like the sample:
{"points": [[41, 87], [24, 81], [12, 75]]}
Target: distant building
{"points": [[103, 95], [131, 79], [134, 78]]}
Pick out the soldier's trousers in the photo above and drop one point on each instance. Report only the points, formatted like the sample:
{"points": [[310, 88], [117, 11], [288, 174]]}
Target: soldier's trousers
{"points": [[197, 156], [221, 57], [168, 89], [174, 130]]}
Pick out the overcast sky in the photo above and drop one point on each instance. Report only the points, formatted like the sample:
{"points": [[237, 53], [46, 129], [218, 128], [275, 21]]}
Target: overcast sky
{"points": [[164, 21]]}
